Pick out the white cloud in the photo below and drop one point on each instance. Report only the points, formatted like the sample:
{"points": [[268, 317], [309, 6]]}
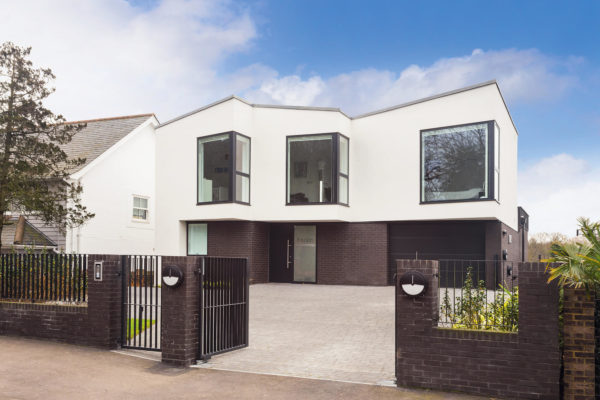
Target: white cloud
{"points": [[557, 190], [524, 75], [111, 58]]}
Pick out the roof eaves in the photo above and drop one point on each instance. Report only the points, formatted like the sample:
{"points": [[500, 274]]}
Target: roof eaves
{"points": [[79, 173], [85, 121], [216, 103], [231, 97]]}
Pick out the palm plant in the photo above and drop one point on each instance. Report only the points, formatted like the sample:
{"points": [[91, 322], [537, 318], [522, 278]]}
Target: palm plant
{"points": [[577, 264]]}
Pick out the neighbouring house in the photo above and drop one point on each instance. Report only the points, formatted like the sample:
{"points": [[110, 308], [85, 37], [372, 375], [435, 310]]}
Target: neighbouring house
{"points": [[118, 186], [309, 194], [19, 234]]}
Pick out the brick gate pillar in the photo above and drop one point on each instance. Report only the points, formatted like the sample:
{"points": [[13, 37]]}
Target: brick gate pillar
{"points": [[414, 323], [579, 344], [104, 301], [180, 311]]}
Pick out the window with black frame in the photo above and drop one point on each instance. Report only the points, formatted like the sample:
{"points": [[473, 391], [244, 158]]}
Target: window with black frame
{"points": [[457, 163], [223, 168], [317, 169]]}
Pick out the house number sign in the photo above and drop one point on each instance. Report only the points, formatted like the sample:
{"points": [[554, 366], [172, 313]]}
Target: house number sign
{"points": [[413, 284], [172, 276]]}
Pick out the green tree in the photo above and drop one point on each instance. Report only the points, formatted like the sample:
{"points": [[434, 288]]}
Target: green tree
{"points": [[540, 245], [34, 170], [577, 263]]}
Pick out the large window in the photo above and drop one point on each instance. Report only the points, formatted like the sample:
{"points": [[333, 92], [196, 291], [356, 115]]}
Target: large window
{"points": [[197, 239], [459, 163], [317, 169], [224, 168]]}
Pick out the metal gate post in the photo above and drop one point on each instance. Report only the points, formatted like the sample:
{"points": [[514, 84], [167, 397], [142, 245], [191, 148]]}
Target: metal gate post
{"points": [[124, 267], [247, 299], [201, 321]]}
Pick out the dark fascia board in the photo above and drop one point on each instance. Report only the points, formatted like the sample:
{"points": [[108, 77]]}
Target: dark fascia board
{"points": [[333, 109], [437, 96]]}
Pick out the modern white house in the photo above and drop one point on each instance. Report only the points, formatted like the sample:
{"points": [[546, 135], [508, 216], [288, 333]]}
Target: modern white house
{"points": [[118, 186], [311, 194], [307, 194]]}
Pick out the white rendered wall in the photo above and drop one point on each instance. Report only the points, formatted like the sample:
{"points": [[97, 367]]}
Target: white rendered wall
{"points": [[385, 160], [384, 178], [108, 189]]}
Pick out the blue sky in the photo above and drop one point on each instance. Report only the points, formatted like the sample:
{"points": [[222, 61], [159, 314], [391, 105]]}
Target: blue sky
{"points": [[306, 38], [120, 57]]}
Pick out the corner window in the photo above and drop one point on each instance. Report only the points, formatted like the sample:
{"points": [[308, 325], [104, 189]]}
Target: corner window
{"points": [[140, 208], [317, 169], [197, 239], [224, 168], [458, 163], [343, 172]]}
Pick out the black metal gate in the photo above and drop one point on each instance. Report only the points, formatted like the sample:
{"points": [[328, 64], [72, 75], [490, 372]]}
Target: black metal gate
{"points": [[224, 295], [141, 302]]}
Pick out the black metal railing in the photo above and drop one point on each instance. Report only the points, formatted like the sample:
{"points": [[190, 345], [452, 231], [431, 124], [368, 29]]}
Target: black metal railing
{"points": [[426, 256], [141, 302], [43, 277], [224, 299], [478, 294]]}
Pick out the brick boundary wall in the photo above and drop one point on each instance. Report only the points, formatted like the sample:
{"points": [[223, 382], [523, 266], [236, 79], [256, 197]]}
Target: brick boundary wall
{"points": [[523, 365], [579, 344], [180, 314], [55, 322], [96, 324]]}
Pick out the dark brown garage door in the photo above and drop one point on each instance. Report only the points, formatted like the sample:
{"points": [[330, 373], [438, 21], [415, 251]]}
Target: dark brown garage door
{"points": [[436, 240]]}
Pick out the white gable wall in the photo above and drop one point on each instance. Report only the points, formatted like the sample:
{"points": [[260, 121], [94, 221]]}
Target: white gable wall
{"points": [[385, 160], [108, 189]]}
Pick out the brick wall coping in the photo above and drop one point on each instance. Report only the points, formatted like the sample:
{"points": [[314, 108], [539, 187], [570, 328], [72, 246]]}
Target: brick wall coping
{"points": [[478, 334], [69, 308]]}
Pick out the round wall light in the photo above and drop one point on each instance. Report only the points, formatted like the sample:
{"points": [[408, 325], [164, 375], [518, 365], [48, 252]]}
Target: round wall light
{"points": [[172, 276], [413, 284]]}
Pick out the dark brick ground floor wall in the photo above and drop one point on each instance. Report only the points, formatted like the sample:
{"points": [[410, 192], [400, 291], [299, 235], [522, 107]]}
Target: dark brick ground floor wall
{"points": [[352, 253], [359, 253], [98, 323], [242, 239], [523, 365]]}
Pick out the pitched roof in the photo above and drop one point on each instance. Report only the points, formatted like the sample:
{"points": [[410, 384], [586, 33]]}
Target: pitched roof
{"points": [[99, 135], [31, 236]]}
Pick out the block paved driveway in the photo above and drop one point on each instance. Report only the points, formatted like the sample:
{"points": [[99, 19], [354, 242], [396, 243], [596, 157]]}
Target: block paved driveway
{"points": [[342, 333]]}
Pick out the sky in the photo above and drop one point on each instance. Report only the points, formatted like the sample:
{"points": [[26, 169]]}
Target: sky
{"points": [[119, 57]]}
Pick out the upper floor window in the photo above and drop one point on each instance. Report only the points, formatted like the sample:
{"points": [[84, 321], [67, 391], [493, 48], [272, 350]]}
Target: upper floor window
{"points": [[459, 163], [317, 169], [224, 168], [140, 208]]}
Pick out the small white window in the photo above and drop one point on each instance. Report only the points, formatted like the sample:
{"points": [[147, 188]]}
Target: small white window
{"points": [[197, 236], [140, 208]]}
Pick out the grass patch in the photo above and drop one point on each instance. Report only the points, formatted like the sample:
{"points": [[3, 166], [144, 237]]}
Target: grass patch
{"points": [[137, 326]]}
